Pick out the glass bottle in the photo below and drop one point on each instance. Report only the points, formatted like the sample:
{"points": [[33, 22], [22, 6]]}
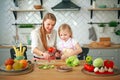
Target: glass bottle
{"points": [[94, 4]]}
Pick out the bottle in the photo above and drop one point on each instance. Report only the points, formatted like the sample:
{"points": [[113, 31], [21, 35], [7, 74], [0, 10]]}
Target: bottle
{"points": [[94, 4]]}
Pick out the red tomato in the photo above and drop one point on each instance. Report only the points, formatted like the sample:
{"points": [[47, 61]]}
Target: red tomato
{"points": [[89, 67], [9, 61], [108, 63], [51, 50]]}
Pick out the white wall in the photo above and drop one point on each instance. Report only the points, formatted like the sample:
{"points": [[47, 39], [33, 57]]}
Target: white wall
{"points": [[78, 20]]}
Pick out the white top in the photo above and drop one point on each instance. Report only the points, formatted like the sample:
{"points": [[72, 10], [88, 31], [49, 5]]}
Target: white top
{"points": [[70, 44], [36, 40]]}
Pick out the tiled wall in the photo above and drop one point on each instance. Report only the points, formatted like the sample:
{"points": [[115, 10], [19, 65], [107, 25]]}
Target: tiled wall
{"points": [[78, 20]]}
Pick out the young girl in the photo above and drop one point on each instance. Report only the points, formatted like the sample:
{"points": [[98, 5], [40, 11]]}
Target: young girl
{"points": [[67, 45]]}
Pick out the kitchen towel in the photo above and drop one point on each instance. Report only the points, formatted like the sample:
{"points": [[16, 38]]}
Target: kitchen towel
{"points": [[92, 34]]}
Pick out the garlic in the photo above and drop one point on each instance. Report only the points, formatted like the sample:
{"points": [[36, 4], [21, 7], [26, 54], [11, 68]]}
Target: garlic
{"points": [[96, 69], [101, 70], [110, 70], [105, 68]]}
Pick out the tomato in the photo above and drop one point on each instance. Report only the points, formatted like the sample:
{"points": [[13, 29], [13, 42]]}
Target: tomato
{"points": [[89, 67], [9, 61], [108, 63], [51, 49]]}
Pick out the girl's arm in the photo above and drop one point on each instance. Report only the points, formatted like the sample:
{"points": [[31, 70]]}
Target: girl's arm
{"points": [[78, 50]]}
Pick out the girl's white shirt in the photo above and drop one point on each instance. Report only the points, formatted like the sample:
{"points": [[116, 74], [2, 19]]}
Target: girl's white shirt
{"points": [[69, 44], [36, 40]]}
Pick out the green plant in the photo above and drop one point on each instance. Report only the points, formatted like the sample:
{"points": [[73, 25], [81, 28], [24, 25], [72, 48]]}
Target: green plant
{"points": [[101, 25], [26, 26], [117, 32], [113, 24]]}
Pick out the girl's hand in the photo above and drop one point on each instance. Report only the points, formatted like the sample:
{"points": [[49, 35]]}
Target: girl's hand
{"points": [[57, 54], [63, 57]]}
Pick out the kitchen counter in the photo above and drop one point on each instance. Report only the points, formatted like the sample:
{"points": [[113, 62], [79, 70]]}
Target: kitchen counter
{"points": [[11, 46], [113, 46], [53, 74]]}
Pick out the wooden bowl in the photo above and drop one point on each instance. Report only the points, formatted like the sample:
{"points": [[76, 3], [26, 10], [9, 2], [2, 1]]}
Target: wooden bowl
{"points": [[37, 6]]}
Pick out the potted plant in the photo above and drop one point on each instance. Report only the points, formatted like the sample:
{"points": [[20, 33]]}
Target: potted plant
{"points": [[101, 27], [112, 25], [25, 28]]}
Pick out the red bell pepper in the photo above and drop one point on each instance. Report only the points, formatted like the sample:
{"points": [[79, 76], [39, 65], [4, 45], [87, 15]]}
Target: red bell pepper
{"points": [[89, 67], [109, 63]]}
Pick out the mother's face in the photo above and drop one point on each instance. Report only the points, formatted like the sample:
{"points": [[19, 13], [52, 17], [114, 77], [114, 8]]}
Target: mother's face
{"points": [[49, 25]]}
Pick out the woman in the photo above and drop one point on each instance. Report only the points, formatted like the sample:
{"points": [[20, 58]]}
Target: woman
{"points": [[44, 37]]}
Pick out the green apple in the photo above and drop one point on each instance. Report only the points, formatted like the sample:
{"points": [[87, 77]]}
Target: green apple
{"points": [[89, 59], [98, 62]]}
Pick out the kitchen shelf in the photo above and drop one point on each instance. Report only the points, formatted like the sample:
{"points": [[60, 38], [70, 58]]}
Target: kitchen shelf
{"points": [[17, 10], [26, 23], [100, 22], [103, 9], [16, 2], [25, 10]]}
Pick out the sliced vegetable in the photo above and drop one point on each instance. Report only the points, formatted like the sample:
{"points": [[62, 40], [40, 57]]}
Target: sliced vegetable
{"points": [[46, 66]]}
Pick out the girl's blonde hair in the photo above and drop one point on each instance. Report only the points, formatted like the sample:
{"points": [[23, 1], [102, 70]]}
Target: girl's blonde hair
{"points": [[64, 27], [43, 31]]}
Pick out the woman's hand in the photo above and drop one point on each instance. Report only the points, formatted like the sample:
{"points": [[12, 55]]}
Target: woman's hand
{"points": [[46, 55]]}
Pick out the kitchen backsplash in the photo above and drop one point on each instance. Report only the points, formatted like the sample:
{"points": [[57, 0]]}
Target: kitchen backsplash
{"points": [[78, 20]]}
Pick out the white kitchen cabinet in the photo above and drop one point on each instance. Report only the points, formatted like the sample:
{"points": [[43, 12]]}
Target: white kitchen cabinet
{"points": [[112, 54]]}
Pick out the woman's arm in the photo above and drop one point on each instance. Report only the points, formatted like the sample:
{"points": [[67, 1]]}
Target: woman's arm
{"points": [[37, 51], [40, 53], [36, 41]]}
